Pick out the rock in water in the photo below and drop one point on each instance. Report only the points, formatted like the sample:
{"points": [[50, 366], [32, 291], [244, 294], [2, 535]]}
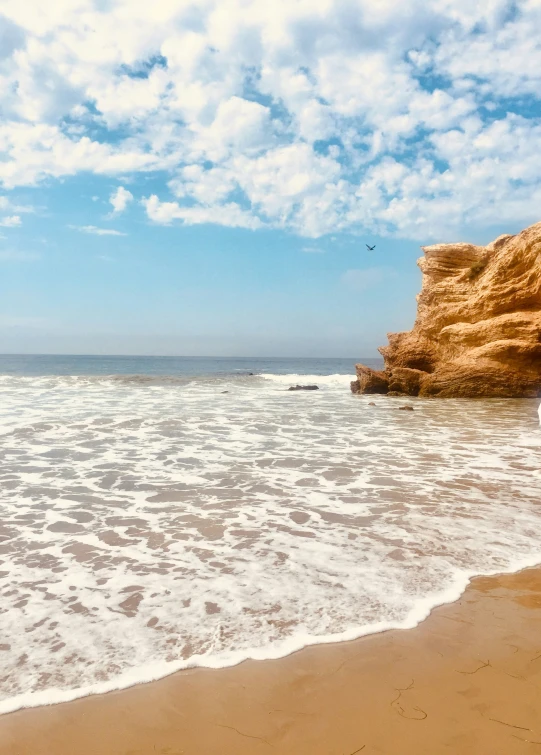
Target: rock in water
{"points": [[370, 381], [304, 388], [478, 326], [406, 408]]}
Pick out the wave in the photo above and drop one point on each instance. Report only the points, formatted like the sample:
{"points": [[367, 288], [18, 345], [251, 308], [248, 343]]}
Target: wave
{"points": [[147, 530], [51, 381], [143, 380], [325, 380], [154, 671]]}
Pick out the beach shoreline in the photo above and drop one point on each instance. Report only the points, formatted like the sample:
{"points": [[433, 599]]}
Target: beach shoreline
{"points": [[466, 680]]}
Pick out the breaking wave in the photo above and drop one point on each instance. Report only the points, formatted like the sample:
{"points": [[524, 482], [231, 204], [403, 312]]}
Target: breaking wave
{"points": [[151, 523]]}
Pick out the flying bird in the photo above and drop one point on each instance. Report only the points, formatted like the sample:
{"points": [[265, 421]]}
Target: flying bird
{"points": [[370, 248]]}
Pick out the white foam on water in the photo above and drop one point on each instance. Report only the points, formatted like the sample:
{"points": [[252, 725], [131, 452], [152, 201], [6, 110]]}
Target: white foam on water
{"points": [[153, 525], [319, 380]]}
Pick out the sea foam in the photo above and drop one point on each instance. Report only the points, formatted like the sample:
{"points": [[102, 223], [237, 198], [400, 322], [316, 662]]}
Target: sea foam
{"points": [[150, 526]]}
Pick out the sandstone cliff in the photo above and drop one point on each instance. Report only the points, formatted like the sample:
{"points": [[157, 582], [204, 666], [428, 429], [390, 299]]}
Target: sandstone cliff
{"points": [[478, 326]]}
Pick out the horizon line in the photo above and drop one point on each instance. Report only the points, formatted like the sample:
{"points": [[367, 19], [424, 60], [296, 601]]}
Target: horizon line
{"points": [[171, 356], [168, 356]]}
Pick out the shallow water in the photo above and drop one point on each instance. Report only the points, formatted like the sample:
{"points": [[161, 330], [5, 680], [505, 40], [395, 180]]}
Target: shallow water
{"points": [[153, 523]]}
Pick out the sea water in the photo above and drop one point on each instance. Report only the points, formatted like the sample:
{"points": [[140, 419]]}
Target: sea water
{"points": [[158, 514]]}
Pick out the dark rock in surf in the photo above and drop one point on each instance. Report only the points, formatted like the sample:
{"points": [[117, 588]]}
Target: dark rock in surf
{"points": [[303, 388], [406, 408]]}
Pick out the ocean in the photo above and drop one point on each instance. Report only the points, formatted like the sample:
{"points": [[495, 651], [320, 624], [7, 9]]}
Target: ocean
{"points": [[160, 513]]}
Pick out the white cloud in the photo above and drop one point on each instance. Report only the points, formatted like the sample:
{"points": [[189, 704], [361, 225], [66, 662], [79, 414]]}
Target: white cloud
{"points": [[405, 117], [10, 221], [239, 126], [293, 187], [120, 199], [97, 231], [208, 187], [7, 205], [33, 152], [370, 277], [229, 214]]}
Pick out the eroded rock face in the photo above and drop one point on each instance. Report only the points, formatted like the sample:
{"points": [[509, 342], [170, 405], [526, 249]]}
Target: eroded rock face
{"points": [[478, 326], [370, 381]]}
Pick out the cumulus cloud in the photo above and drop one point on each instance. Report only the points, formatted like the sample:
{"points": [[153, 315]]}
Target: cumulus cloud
{"points": [[10, 221], [97, 231], [403, 117], [120, 199], [229, 214]]}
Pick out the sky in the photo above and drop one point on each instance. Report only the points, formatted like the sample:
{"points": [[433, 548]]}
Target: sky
{"points": [[202, 177]]}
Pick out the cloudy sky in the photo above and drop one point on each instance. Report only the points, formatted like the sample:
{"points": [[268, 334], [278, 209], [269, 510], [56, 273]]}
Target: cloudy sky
{"points": [[200, 177]]}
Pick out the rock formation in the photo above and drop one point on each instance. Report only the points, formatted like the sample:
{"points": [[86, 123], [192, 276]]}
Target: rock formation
{"points": [[478, 326]]}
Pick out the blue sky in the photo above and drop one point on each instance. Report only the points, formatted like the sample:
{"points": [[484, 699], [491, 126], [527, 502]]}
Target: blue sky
{"points": [[201, 177]]}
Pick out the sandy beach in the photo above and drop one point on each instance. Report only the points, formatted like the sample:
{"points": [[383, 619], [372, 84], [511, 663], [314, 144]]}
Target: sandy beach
{"points": [[467, 680]]}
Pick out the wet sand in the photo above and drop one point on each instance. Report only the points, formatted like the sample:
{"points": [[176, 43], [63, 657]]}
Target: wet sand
{"points": [[466, 681]]}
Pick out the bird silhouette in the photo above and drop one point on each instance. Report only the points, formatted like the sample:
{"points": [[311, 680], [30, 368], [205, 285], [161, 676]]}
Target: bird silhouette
{"points": [[370, 248]]}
